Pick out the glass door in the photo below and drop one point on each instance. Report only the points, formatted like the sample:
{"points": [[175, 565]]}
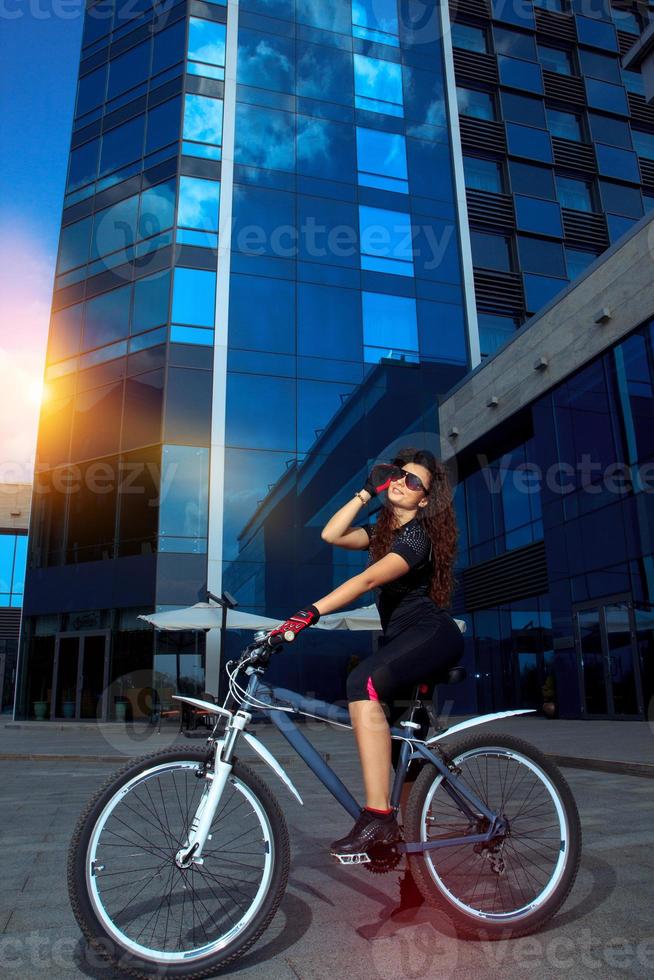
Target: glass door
{"points": [[80, 676], [608, 653]]}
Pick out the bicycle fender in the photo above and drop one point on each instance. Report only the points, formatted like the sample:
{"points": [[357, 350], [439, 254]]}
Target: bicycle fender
{"points": [[270, 759], [479, 720]]}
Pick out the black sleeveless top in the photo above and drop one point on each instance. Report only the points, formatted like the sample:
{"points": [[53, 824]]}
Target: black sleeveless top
{"points": [[404, 599]]}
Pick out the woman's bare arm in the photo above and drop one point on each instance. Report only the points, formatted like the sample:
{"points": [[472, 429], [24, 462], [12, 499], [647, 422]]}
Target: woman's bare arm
{"points": [[387, 569], [339, 531]]}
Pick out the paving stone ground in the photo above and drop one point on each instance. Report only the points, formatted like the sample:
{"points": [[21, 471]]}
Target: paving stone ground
{"points": [[335, 923]]}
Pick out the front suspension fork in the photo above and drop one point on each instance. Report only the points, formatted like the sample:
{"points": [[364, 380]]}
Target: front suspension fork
{"points": [[191, 851]]}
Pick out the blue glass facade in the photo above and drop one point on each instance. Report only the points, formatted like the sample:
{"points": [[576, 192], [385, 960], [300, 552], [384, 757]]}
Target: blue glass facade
{"points": [[259, 288], [568, 491], [556, 140]]}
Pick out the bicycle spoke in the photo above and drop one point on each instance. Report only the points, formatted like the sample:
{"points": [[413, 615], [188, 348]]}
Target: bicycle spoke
{"points": [[156, 905], [506, 874]]}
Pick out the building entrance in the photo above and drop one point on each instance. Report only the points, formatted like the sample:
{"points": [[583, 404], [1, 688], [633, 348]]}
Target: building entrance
{"points": [[607, 645], [81, 676]]}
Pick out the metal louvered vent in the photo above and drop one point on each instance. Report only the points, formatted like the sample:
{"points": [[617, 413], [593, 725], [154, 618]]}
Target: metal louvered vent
{"points": [[585, 229], [514, 575], [495, 210], [559, 26], [9, 624], [474, 66], [482, 134], [473, 8], [625, 42], [564, 88], [641, 111], [499, 292], [574, 156], [646, 171]]}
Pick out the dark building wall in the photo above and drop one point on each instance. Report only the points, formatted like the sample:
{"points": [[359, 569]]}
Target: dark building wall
{"points": [[583, 475]]}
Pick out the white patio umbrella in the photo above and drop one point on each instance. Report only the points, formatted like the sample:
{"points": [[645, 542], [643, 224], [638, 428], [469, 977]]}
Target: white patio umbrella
{"points": [[204, 616]]}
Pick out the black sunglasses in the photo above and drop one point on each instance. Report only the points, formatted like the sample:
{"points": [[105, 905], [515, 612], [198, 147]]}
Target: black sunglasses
{"points": [[413, 482]]}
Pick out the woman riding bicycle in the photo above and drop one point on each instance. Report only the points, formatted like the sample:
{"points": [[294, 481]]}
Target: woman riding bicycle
{"points": [[412, 548]]}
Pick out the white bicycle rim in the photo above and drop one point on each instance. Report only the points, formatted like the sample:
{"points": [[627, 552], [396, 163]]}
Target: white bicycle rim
{"points": [[539, 900], [207, 949]]}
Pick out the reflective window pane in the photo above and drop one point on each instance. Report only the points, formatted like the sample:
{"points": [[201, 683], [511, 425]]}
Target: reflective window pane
{"points": [[469, 38], [183, 510], [128, 70], [162, 125], [142, 410], [565, 125], [199, 201], [643, 143], [151, 297], [168, 47], [632, 81], [471, 102], [574, 193], [265, 137], [514, 43], [520, 74], [188, 407], [596, 33], [106, 318], [375, 20], [522, 109], [483, 175], [608, 129], [122, 145], [203, 122], [604, 95], [378, 85], [266, 60], [386, 241], [381, 159], [262, 314], [90, 90], [494, 331], [96, 422], [247, 426], [621, 199], [614, 162], [524, 141], [339, 313], [83, 166], [538, 216], [539, 290], [115, 227], [324, 73], [206, 41], [555, 59], [194, 297], [526, 178], [325, 149], [490, 251], [600, 66], [538, 255], [157, 209], [65, 332], [390, 327], [74, 244]]}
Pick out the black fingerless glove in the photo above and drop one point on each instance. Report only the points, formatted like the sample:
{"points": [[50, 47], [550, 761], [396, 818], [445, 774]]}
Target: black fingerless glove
{"points": [[379, 478]]}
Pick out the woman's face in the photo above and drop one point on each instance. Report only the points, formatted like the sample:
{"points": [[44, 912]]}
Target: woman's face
{"points": [[401, 496]]}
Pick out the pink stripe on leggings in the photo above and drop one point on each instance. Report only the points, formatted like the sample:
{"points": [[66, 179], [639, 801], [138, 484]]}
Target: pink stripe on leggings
{"points": [[372, 693]]}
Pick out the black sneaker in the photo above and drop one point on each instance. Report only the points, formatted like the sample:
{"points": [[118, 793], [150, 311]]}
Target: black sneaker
{"points": [[368, 831]]}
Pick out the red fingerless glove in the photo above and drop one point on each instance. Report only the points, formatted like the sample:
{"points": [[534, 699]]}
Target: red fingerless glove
{"points": [[298, 622]]}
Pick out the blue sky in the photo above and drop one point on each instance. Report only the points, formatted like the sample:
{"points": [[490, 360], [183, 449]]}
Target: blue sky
{"points": [[38, 73]]}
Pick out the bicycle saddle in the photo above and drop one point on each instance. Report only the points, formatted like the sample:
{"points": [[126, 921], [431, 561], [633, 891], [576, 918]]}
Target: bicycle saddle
{"points": [[455, 675]]}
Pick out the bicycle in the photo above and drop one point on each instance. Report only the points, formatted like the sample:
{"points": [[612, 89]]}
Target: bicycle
{"points": [[180, 861]]}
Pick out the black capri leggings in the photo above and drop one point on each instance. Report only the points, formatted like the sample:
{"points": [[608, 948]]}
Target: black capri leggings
{"points": [[417, 654]]}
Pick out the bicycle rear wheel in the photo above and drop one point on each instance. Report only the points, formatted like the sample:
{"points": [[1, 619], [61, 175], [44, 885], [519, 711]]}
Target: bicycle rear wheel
{"points": [[510, 887], [137, 907]]}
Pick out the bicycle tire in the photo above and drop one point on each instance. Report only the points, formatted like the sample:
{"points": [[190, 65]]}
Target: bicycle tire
{"points": [[437, 888], [102, 940]]}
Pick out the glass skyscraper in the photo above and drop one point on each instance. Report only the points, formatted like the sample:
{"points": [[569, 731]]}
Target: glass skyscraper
{"points": [[283, 222]]}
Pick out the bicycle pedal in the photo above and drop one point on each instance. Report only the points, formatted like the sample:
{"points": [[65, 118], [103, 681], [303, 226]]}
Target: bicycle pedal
{"points": [[352, 858]]}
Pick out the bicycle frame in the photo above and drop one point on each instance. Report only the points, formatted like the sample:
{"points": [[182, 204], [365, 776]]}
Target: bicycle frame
{"points": [[259, 694]]}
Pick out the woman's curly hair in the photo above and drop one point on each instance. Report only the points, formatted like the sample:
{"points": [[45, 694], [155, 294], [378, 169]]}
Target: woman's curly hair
{"points": [[438, 518]]}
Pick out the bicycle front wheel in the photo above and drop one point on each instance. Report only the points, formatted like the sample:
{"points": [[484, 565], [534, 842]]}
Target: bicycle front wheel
{"points": [[513, 885], [137, 907]]}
